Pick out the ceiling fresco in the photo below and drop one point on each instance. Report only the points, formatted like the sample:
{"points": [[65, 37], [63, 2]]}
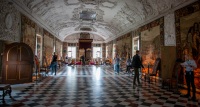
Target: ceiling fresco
{"points": [[106, 19]]}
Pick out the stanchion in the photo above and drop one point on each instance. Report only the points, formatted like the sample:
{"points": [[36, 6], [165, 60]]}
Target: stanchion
{"points": [[148, 74]]}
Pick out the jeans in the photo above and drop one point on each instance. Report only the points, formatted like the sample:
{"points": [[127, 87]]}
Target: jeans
{"points": [[117, 68], [54, 67]]}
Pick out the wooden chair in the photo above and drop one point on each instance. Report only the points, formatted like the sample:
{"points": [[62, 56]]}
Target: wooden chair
{"points": [[155, 68], [44, 68]]}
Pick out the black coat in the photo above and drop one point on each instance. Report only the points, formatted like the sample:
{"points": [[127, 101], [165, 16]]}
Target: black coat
{"points": [[136, 62]]}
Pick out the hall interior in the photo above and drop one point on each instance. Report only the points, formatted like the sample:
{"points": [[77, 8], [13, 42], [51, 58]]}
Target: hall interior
{"points": [[98, 30]]}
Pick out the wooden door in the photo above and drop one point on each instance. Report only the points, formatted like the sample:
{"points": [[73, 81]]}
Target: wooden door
{"points": [[168, 56], [17, 63], [1, 58]]}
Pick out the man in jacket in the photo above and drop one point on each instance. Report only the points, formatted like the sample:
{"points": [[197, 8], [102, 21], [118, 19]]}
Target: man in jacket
{"points": [[136, 64]]}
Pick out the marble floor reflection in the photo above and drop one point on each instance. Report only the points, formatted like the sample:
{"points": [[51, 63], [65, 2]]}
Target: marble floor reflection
{"points": [[94, 86]]}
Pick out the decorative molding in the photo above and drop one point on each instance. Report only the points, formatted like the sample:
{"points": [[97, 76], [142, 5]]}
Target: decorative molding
{"points": [[77, 11], [86, 25], [9, 13], [102, 3], [114, 18]]}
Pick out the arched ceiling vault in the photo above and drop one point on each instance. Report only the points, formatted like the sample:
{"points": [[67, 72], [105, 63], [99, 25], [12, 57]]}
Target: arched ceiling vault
{"points": [[107, 19]]}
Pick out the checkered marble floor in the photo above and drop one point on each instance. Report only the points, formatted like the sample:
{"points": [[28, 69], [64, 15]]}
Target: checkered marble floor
{"points": [[93, 86]]}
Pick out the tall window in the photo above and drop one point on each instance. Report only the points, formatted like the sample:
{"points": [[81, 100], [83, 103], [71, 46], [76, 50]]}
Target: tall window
{"points": [[97, 52], [71, 52], [38, 50], [114, 50], [135, 44]]}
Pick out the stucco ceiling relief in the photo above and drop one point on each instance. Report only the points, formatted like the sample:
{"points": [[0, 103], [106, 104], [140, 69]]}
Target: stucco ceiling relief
{"points": [[101, 3], [77, 11], [106, 18]]}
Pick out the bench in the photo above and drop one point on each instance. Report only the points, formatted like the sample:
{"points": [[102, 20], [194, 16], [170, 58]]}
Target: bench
{"points": [[6, 89]]}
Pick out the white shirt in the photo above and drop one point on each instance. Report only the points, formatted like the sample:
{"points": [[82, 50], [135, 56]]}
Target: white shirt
{"points": [[189, 65]]}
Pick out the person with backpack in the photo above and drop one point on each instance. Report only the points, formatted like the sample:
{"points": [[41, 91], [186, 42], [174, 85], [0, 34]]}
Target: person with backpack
{"points": [[128, 64]]}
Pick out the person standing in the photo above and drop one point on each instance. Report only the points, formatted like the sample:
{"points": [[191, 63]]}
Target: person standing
{"points": [[66, 60], [54, 64], [128, 64], [189, 66], [83, 60], [117, 63], [136, 64]]}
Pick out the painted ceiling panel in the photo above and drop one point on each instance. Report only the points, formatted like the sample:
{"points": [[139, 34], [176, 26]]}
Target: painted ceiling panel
{"points": [[106, 18]]}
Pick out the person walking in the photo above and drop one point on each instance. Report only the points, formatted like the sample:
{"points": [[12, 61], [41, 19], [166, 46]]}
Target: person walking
{"points": [[54, 64], [189, 66], [136, 64]]}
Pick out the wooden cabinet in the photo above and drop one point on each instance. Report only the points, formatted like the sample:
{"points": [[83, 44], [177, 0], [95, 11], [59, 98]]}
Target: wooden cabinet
{"points": [[17, 63]]}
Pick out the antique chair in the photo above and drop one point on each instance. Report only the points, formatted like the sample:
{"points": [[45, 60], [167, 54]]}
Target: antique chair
{"points": [[44, 68], [155, 68]]}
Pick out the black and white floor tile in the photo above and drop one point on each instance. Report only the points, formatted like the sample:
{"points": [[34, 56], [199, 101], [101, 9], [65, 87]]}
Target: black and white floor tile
{"points": [[94, 86]]}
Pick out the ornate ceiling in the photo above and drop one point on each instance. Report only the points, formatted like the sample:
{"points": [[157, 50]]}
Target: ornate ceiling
{"points": [[104, 20]]}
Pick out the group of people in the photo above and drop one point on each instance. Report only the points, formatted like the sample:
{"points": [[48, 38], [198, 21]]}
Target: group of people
{"points": [[136, 63], [52, 67]]}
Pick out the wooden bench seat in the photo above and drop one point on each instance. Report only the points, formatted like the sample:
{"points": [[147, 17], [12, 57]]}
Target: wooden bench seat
{"points": [[6, 89]]}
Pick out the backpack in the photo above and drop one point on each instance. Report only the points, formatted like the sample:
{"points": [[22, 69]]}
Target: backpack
{"points": [[128, 62]]}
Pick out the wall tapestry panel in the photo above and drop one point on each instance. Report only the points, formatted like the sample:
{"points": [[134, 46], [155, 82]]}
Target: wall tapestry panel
{"points": [[65, 45], [188, 34], [28, 32], [152, 38], [48, 48], [59, 48], [109, 48], [124, 46], [103, 51]]}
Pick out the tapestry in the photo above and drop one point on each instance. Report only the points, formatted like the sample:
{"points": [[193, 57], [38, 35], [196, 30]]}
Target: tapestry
{"points": [[103, 51], [187, 34], [28, 32], [47, 48], [59, 49], [151, 36], [124, 46], [109, 48]]}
